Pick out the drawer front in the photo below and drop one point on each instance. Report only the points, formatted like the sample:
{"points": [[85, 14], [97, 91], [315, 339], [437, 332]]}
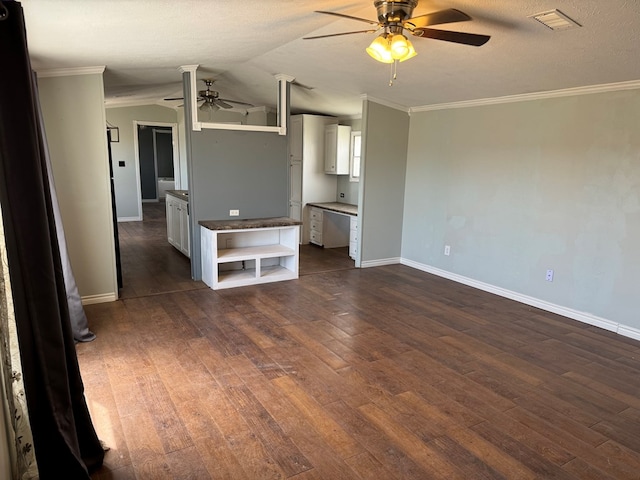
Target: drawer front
{"points": [[354, 223], [315, 214], [353, 236], [316, 225], [353, 249], [315, 237]]}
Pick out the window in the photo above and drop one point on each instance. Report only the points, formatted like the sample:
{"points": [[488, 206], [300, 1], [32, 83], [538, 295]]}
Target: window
{"points": [[354, 161]]}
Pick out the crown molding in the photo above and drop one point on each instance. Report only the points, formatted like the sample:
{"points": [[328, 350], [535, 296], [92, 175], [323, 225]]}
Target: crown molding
{"points": [[264, 109], [68, 72], [566, 92], [141, 102], [386, 103]]}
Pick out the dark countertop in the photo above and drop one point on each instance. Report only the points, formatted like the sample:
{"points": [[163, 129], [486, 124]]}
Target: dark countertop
{"points": [[248, 223], [181, 194], [346, 208]]}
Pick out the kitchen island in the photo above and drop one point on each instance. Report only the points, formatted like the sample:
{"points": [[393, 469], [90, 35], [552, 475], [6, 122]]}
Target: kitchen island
{"points": [[236, 253]]}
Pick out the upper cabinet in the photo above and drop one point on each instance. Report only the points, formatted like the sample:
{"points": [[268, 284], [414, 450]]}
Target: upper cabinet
{"points": [[337, 141]]}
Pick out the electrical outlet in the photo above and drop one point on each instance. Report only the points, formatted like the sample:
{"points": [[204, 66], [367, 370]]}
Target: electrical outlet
{"points": [[549, 276], [234, 213], [229, 243], [341, 195], [447, 250]]}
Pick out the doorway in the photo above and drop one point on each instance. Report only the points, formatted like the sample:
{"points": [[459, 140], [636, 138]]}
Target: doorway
{"points": [[155, 153], [157, 160]]}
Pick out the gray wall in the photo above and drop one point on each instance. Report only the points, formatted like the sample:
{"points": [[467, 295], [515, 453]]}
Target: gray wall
{"points": [[516, 189], [74, 119], [384, 147], [127, 204], [244, 171]]}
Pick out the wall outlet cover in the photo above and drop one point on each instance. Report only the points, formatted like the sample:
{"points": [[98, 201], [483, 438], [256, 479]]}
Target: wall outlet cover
{"points": [[549, 276], [234, 213], [447, 250]]}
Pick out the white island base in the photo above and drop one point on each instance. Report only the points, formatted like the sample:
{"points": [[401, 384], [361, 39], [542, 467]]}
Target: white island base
{"points": [[237, 253]]}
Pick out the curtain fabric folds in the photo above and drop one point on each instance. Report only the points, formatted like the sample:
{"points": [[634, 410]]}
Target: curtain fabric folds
{"points": [[65, 441]]}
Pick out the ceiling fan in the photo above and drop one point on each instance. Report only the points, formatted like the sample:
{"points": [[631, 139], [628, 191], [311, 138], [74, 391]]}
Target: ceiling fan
{"points": [[211, 100], [394, 18]]}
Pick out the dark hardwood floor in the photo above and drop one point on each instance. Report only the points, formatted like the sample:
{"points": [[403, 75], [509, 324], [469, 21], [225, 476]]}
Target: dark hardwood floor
{"points": [[378, 373]]}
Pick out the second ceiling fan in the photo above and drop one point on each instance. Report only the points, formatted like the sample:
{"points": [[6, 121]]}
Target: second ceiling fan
{"points": [[211, 100]]}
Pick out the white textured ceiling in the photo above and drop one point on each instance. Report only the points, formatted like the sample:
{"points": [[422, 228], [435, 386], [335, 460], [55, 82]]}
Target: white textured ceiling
{"points": [[242, 44]]}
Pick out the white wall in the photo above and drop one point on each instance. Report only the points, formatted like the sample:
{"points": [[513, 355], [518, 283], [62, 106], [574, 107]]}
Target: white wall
{"points": [[516, 189], [128, 205], [74, 118]]}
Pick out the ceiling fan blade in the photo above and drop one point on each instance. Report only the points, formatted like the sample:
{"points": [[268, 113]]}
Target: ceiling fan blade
{"points": [[296, 83], [450, 15], [222, 104], [372, 22], [236, 101], [339, 34], [174, 98], [472, 39]]}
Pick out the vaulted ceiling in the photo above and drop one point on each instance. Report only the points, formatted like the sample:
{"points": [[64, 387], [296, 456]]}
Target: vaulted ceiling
{"points": [[242, 44]]}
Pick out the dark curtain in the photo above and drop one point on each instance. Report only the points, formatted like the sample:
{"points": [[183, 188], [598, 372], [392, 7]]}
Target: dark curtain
{"points": [[65, 442]]}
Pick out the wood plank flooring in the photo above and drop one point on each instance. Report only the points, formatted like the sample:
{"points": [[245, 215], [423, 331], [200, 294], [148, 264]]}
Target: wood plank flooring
{"points": [[378, 373]]}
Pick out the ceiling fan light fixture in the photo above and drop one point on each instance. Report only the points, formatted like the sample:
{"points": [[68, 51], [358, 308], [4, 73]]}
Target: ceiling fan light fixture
{"points": [[411, 53], [399, 46], [208, 106], [380, 49]]}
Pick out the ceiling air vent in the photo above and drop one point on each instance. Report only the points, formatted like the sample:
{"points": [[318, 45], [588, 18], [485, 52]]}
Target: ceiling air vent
{"points": [[555, 20]]}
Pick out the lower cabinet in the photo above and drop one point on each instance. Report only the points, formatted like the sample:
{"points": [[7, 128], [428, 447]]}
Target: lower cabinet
{"points": [[353, 237], [234, 258], [315, 226], [178, 224], [331, 229]]}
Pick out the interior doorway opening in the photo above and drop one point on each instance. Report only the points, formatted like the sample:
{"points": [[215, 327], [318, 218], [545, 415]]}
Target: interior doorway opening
{"points": [[157, 160]]}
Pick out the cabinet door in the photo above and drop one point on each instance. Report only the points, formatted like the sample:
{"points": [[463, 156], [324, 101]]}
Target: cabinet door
{"points": [[330, 148], [184, 229], [295, 190], [337, 145], [170, 230], [175, 223], [295, 139]]}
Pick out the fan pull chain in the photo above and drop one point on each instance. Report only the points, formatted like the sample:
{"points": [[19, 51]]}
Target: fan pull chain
{"points": [[394, 72]]}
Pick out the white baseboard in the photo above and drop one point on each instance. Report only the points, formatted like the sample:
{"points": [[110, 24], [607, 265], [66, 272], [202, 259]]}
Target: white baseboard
{"points": [[103, 298], [129, 219], [380, 262], [527, 300]]}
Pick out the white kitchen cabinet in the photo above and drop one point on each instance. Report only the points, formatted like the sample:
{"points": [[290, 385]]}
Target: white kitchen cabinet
{"points": [[307, 180], [315, 226], [178, 223], [337, 145], [236, 256], [353, 237]]}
